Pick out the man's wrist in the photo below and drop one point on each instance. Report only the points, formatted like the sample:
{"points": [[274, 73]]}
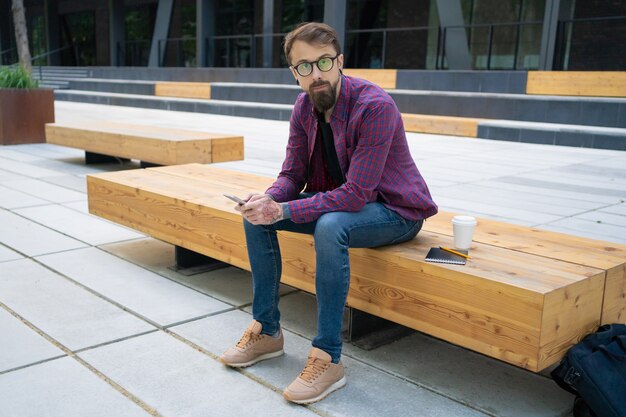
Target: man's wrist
{"points": [[286, 211]]}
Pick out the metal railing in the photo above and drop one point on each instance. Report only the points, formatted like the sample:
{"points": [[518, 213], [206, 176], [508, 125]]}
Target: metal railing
{"points": [[491, 27], [384, 32], [566, 36]]}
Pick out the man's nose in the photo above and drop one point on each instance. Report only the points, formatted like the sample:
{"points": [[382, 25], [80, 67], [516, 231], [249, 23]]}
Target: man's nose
{"points": [[316, 73]]}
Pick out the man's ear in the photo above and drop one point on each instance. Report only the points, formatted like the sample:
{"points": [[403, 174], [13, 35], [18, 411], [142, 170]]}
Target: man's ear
{"points": [[340, 63]]}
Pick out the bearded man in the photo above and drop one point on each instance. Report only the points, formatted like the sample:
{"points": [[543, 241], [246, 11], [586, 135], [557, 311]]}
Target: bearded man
{"points": [[349, 180]]}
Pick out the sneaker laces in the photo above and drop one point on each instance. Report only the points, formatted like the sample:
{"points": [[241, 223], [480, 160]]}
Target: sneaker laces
{"points": [[247, 338], [313, 369]]}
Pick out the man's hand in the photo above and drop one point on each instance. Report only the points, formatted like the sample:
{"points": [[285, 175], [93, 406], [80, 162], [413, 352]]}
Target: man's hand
{"points": [[261, 209]]}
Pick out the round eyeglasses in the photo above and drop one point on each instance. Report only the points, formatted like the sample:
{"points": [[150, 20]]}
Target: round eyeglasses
{"points": [[324, 64]]}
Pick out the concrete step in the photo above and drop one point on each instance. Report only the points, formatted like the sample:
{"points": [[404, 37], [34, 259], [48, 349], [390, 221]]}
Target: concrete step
{"points": [[228, 108], [507, 130], [554, 134], [591, 111], [114, 86]]}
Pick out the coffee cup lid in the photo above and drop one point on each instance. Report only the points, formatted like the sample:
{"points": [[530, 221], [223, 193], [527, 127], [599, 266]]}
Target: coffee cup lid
{"points": [[464, 220]]}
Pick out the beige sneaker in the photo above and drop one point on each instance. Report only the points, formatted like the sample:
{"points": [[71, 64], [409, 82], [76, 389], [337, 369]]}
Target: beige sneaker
{"points": [[319, 378], [253, 347]]}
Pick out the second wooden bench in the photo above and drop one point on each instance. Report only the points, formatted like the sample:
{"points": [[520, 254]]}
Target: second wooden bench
{"points": [[152, 145]]}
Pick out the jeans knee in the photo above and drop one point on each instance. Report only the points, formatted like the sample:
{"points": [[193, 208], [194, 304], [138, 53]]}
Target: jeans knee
{"points": [[329, 232]]}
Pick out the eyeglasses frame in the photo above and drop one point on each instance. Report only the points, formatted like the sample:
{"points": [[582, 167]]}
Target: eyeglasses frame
{"points": [[316, 63]]}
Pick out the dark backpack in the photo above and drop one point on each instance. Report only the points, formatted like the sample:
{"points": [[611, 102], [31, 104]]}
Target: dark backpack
{"points": [[595, 371]]}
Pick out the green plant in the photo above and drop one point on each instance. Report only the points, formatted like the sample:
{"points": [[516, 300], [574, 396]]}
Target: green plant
{"points": [[16, 77]]}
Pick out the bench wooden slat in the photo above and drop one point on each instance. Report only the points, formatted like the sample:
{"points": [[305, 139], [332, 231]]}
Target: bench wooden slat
{"points": [[158, 145], [441, 125], [183, 89], [583, 251], [577, 83], [384, 78], [522, 308]]}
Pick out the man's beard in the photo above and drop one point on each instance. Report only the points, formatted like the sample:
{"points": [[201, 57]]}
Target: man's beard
{"points": [[324, 99]]}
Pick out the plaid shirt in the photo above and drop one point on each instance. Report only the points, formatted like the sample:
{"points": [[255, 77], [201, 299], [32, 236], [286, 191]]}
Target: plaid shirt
{"points": [[372, 150]]}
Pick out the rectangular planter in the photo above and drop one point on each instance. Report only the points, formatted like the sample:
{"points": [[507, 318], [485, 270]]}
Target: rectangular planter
{"points": [[24, 114]]}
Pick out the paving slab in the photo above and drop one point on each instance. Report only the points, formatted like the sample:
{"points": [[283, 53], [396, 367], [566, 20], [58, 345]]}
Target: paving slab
{"points": [[481, 382], [45, 191], [62, 388], [585, 226], [588, 234], [230, 285], [369, 391], [530, 202], [177, 380], [15, 155], [47, 150], [7, 254], [615, 209], [464, 205], [21, 345], [32, 239], [503, 184], [10, 199], [72, 182], [84, 227], [546, 182], [26, 169], [605, 218], [9, 176], [149, 295], [68, 313]]}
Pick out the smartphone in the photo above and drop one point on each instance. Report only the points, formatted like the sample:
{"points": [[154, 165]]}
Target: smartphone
{"points": [[235, 199]]}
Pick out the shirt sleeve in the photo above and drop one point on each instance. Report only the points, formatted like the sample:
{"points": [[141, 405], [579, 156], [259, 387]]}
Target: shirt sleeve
{"points": [[378, 124], [292, 177]]}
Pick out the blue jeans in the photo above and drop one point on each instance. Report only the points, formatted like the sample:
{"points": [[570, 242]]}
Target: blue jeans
{"points": [[375, 225]]}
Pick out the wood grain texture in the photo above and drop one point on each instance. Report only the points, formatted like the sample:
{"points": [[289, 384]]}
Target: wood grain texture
{"points": [[183, 89], [441, 125], [606, 256], [520, 307], [384, 78], [577, 83], [158, 145]]}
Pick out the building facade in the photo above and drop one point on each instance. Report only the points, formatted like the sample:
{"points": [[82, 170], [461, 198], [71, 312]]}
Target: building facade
{"points": [[402, 34]]}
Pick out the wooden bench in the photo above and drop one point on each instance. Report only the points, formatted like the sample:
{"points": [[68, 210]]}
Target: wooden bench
{"points": [[150, 144], [441, 125], [525, 297], [183, 89], [577, 83]]}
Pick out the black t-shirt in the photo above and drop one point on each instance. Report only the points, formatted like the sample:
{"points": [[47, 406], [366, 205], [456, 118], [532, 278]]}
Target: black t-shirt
{"points": [[330, 153]]}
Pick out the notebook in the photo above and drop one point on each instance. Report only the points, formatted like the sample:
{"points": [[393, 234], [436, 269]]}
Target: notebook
{"points": [[443, 257]]}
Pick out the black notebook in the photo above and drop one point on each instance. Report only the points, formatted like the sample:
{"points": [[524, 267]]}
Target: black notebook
{"points": [[444, 257]]}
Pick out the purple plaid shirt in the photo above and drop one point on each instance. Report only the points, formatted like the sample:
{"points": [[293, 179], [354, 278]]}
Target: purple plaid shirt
{"points": [[373, 154]]}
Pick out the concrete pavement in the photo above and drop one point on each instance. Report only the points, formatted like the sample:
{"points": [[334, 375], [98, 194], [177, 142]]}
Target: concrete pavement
{"points": [[94, 322]]}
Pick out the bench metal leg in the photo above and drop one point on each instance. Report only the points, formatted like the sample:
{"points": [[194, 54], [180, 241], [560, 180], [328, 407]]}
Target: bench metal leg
{"points": [[98, 158], [368, 332], [144, 164], [189, 262]]}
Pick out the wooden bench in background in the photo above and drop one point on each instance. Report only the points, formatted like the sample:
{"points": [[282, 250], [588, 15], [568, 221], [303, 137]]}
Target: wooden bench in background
{"points": [[577, 83], [441, 125], [525, 297], [150, 144], [183, 89]]}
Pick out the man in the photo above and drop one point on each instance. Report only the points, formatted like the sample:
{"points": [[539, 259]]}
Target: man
{"points": [[347, 150]]}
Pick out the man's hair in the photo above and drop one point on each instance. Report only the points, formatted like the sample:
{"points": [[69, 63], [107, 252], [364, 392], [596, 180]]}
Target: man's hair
{"points": [[312, 33]]}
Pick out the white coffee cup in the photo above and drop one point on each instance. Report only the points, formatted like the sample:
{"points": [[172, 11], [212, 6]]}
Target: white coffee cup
{"points": [[463, 229]]}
